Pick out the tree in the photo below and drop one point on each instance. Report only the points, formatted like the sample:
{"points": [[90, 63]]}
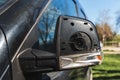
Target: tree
{"points": [[100, 32], [104, 31], [103, 26], [47, 24]]}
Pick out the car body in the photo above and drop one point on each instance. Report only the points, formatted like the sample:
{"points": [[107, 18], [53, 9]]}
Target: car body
{"points": [[19, 23]]}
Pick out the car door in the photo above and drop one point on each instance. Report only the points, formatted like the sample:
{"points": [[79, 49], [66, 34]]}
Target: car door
{"points": [[5, 68], [18, 23], [5, 65]]}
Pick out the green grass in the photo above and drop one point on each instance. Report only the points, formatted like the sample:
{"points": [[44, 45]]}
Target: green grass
{"points": [[108, 50], [109, 69]]}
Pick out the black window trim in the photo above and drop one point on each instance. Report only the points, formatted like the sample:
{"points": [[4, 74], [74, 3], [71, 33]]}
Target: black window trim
{"points": [[83, 13], [76, 7]]}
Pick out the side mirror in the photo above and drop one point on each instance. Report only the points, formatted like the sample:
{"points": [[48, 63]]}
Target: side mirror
{"points": [[76, 45]]}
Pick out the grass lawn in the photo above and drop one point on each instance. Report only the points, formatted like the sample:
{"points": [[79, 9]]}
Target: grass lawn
{"points": [[109, 69]]}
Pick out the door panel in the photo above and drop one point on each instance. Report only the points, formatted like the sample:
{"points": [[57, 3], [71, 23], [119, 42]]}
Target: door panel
{"points": [[17, 23], [18, 20], [4, 59]]}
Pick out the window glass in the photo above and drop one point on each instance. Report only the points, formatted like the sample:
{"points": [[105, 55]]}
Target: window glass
{"points": [[80, 10], [71, 9], [48, 21], [81, 13]]}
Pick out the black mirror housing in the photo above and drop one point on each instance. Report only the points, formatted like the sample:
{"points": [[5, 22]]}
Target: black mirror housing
{"points": [[76, 44], [77, 41]]}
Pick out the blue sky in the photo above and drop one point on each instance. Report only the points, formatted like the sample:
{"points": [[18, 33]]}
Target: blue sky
{"points": [[93, 8]]}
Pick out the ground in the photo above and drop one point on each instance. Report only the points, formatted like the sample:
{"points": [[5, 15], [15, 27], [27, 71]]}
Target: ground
{"points": [[110, 68]]}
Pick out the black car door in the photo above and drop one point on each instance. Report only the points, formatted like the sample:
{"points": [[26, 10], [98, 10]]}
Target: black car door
{"points": [[17, 23], [5, 73], [5, 65]]}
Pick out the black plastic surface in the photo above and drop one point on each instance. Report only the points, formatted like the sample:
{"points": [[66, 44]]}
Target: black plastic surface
{"points": [[44, 59], [76, 36], [33, 61], [27, 61]]}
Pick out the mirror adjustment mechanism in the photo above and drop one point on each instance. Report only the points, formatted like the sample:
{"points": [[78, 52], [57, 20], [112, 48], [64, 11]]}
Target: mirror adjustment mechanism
{"points": [[44, 59], [34, 60]]}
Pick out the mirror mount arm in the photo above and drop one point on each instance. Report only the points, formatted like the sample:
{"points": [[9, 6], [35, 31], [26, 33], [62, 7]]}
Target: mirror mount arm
{"points": [[37, 61]]}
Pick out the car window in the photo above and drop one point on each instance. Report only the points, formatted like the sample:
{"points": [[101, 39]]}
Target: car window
{"points": [[81, 12], [79, 9], [48, 21], [71, 10]]}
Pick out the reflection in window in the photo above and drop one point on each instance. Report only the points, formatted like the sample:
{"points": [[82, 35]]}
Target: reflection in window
{"points": [[71, 10], [47, 28], [80, 10], [83, 13], [48, 21]]}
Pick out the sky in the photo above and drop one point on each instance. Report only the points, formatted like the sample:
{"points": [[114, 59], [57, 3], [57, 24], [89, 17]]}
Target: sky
{"points": [[93, 8]]}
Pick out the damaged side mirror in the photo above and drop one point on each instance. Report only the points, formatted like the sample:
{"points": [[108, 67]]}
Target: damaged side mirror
{"points": [[76, 45]]}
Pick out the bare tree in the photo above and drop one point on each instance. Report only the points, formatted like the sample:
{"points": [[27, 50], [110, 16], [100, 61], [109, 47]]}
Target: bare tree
{"points": [[103, 26], [105, 32], [47, 24]]}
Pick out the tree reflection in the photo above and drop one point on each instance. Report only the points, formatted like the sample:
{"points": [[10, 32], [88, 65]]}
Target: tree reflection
{"points": [[47, 26]]}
